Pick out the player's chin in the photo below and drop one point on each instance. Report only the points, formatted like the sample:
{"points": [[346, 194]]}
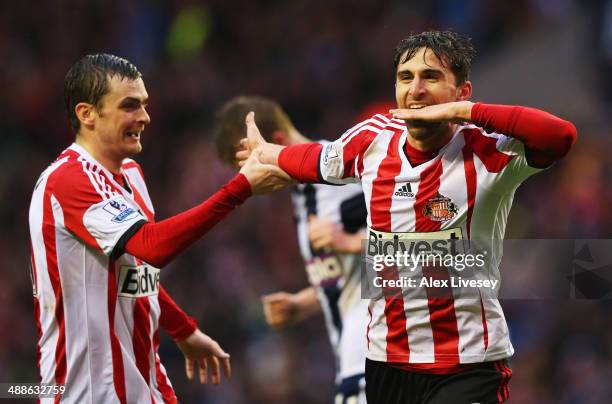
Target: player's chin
{"points": [[133, 147], [419, 128], [417, 123]]}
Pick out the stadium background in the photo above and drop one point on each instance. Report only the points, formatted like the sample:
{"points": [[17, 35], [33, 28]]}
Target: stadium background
{"points": [[326, 62]]}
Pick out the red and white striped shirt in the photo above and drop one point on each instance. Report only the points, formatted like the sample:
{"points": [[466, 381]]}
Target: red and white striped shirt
{"points": [[478, 172], [97, 309]]}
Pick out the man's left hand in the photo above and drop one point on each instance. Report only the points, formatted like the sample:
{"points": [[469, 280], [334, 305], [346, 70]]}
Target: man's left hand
{"points": [[201, 349], [457, 112], [323, 233]]}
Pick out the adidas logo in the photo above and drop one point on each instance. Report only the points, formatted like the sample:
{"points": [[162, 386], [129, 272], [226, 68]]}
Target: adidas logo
{"points": [[405, 191]]}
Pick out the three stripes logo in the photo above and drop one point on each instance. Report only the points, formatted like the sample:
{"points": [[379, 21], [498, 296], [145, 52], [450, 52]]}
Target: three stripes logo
{"points": [[405, 191]]}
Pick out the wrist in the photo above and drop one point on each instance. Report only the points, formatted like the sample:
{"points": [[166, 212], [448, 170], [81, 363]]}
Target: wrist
{"points": [[300, 302], [464, 111], [355, 243], [271, 153], [305, 303]]}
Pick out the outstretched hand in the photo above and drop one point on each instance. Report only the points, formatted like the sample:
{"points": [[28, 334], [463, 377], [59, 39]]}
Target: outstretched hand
{"points": [[201, 349], [255, 141], [456, 112], [264, 178]]}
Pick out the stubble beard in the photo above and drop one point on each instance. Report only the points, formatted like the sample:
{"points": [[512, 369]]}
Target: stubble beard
{"points": [[421, 130]]}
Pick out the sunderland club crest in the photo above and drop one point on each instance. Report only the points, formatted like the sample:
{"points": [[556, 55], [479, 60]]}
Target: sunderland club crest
{"points": [[440, 208]]}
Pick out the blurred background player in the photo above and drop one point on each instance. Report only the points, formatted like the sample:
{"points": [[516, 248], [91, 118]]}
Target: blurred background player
{"points": [[96, 249], [330, 222]]}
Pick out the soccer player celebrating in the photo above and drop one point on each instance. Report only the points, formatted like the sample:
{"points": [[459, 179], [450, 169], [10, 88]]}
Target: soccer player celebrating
{"points": [[330, 222], [438, 163], [96, 249]]}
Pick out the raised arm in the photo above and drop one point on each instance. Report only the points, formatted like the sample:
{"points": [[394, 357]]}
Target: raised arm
{"points": [[301, 161], [158, 243], [547, 138]]}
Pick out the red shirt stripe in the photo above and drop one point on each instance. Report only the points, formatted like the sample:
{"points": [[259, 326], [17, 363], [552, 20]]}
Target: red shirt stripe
{"points": [[118, 371], [384, 185], [439, 300], [36, 307], [162, 380], [141, 339], [470, 182], [380, 208], [48, 224], [486, 150]]}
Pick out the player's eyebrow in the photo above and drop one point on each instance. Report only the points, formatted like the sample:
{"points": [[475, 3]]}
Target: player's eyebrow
{"points": [[429, 71], [129, 101], [404, 72], [432, 72]]}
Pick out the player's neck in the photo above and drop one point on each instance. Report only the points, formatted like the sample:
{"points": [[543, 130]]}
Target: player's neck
{"points": [[111, 164], [434, 142]]}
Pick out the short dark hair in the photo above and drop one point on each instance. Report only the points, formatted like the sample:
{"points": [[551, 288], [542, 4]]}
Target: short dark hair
{"points": [[230, 126], [88, 81], [454, 51]]}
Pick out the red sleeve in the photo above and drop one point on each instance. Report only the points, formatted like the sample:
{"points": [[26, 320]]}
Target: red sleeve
{"points": [[547, 138], [301, 161], [174, 320], [158, 243]]}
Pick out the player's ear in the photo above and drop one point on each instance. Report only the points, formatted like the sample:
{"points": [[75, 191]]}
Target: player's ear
{"points": [[85, 113], [280, 137], [465, 91]]}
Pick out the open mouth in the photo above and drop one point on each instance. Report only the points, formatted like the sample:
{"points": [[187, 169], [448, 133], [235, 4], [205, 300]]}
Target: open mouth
{"points": [[133, 135], [417, 106]]}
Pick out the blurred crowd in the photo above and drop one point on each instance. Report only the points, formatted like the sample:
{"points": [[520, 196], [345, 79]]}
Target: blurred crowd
{"points": [[328, 63]]}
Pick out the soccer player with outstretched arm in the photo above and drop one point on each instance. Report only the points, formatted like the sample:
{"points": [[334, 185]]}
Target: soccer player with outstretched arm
{"points": [[97, 249], [439, 164]]}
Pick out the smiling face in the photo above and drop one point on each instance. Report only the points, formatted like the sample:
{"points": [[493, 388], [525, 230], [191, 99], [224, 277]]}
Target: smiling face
{"points": [[424, 80], [120, 119]]}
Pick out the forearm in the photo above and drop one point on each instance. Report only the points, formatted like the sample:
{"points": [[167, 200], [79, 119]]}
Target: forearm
{"points": [[546, 137], [174, 320], [355, 242], [158, 243], [301, 161], [307, 302], [347, 243]]}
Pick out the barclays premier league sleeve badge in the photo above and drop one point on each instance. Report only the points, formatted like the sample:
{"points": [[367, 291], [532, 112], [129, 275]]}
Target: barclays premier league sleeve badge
{"points": [[120, 211], [330, 153]]}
